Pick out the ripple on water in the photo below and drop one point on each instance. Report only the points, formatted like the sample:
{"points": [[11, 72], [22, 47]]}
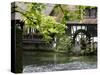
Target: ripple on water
{"points": [[59, 67]]}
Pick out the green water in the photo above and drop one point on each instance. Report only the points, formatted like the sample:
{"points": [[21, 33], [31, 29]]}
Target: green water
{"points": [[49, 61]]}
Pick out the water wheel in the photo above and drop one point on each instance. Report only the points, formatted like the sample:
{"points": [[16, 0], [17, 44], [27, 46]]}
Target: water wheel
{"points": [[81, 40]]}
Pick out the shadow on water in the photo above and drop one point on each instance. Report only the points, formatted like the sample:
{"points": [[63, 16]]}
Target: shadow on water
{"points": [[49, 61]]}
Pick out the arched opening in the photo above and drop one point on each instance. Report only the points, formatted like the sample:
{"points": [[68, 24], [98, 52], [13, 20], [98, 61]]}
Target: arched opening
{"points": [[81, 40]]}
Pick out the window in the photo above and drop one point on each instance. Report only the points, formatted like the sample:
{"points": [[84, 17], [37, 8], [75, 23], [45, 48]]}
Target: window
{"points": [[53, 13], [91, 13], [78, 27]]}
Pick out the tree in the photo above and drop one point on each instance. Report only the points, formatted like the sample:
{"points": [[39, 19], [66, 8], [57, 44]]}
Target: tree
{"points": [[46, 25]]}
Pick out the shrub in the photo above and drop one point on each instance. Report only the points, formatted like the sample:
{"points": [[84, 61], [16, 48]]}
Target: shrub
{"points": [[64, 44]]}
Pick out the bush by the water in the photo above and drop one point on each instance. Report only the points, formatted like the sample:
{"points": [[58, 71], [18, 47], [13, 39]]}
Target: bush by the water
{"points": [[64, 43]]}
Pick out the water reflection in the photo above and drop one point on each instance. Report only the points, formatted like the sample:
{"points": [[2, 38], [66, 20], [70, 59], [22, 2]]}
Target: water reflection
{"points": [[48, 61]]}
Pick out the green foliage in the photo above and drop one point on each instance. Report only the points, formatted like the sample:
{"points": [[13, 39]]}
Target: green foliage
{"points": [[49, 26], [71, 15], [81, 11], [46, 25], [64, 44]]}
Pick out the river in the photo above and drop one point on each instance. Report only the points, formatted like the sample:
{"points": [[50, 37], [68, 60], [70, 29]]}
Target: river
{"points": [[49, 61]]}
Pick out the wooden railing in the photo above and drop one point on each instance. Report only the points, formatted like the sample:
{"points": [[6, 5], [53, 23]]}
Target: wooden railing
{"points": [[35, 42]]}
